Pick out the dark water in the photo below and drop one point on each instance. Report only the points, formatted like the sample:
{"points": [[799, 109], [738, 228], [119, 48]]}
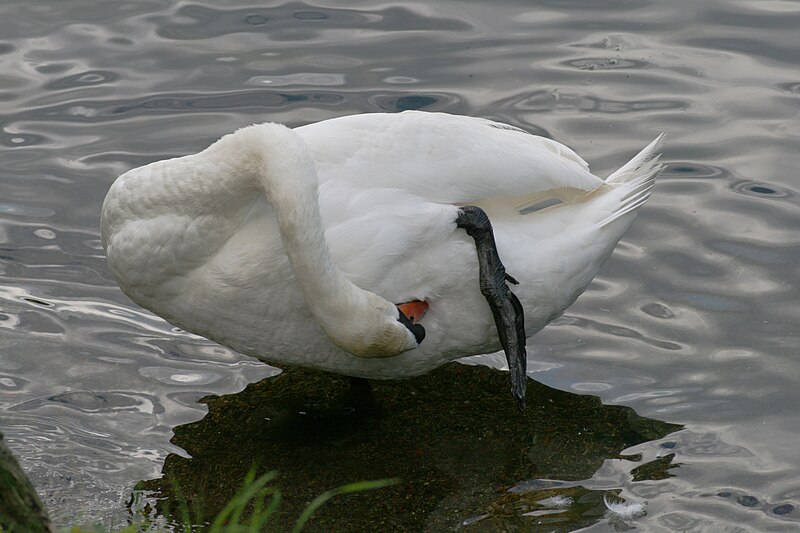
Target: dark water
{"points": [[693, 321]]}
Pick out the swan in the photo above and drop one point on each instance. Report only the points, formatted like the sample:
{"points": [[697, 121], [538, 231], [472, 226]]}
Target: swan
{"points": [[376, 245]]}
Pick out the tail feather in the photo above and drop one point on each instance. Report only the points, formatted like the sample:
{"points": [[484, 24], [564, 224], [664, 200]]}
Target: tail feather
{"points": [[637, 178], [641, 163]]}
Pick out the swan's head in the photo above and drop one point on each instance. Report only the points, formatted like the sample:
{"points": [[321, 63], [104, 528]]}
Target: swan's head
{"points": [[375, 329]]}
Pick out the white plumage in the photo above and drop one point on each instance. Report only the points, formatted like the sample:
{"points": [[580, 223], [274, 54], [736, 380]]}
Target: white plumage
{"points": [[293, 246]]}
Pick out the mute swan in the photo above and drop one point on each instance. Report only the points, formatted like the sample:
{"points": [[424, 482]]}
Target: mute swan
{"points": [[309, 246]]}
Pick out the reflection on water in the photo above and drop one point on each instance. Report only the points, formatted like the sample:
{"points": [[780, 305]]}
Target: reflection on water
{"points": [[693, 320], [462, 451]]}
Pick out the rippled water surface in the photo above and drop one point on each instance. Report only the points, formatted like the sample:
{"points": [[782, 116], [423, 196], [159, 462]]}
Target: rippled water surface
{"points": [[694, 319]]}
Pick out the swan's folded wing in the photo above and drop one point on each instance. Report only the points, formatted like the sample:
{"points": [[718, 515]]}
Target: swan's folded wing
{"points": [[443, 158]]}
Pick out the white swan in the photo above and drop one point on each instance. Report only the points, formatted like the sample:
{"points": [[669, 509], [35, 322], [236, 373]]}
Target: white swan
{"points": [[296, 246]]}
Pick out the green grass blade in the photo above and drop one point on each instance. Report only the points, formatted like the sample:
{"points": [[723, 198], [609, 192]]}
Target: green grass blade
{"points": [[320, 500], [232, 512], [262, 516]]}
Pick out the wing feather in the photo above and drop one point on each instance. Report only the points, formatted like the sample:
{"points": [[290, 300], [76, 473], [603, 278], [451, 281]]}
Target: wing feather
{"points": [[443, 158]]}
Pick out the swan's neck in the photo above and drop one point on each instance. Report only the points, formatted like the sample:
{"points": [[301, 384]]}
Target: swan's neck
{"points": [[275, 160]]}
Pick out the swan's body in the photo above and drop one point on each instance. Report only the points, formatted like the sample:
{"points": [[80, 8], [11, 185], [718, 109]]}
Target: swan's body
{"points": [[196, 240]]}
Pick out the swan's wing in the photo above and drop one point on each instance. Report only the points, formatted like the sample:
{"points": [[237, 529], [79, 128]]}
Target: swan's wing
{"points": [[443, 158]]}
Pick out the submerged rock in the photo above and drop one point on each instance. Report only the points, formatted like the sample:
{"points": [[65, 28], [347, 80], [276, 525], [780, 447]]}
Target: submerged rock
{"points": [[453, 437]]}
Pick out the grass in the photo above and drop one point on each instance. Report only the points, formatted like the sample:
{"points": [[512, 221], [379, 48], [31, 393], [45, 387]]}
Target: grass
{"points": [[248, 511]]}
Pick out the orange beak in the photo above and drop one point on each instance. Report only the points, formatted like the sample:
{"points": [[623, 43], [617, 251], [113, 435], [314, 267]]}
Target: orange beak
{"points": [[414, 310]]}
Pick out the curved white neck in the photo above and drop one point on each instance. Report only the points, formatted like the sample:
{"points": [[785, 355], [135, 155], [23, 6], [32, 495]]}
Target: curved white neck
{"points": [[356, 320]]}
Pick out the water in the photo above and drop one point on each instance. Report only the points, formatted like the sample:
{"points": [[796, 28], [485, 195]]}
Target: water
{"points": [[693, 321]]}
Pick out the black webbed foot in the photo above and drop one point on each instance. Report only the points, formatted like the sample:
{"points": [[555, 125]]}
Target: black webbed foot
{"points": [[506, 308]]}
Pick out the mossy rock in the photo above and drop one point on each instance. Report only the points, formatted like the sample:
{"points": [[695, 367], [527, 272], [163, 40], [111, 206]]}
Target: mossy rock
{"points": [[21, 510]]}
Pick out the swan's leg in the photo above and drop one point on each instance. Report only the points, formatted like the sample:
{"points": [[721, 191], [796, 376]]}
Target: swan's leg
{"points": [[506, 308], [361, 395]]}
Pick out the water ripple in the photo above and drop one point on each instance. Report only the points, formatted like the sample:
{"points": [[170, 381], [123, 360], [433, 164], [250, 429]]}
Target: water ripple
{"points": [[82, 79], [195, 21], [94, 402]]}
